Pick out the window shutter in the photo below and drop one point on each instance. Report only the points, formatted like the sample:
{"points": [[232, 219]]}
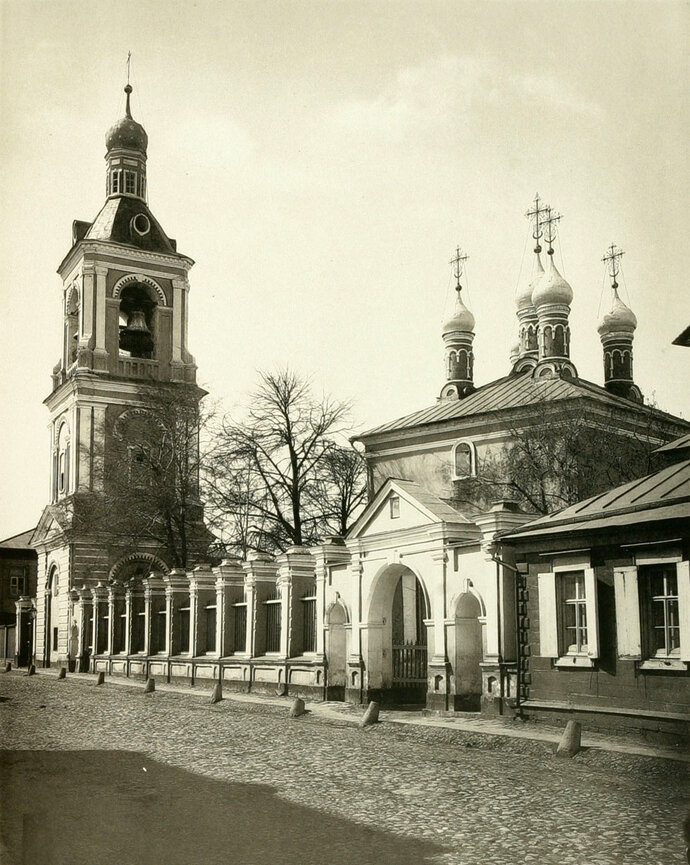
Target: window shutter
{"points": [[683, 569], [592, 613], [627, 613], [548, 621]]}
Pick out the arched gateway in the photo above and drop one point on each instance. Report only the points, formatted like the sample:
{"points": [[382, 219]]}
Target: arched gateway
{"points": [[397, 628]]}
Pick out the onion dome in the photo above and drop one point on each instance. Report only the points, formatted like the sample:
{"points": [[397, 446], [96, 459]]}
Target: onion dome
{"points": [[127, 133], [552, 288], [523, 299], [461, 320], [620, 318]]}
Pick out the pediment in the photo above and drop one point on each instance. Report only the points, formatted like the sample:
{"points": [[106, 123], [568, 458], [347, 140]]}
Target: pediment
{"points": [[49, 526], [402, 506]]}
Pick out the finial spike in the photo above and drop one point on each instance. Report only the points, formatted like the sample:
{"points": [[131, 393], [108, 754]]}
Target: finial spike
{"points": [[128, 86], [458, 262]]}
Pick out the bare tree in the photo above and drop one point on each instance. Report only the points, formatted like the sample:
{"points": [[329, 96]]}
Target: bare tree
{"points": [[568, 453], [277, 480], [151, 461]]}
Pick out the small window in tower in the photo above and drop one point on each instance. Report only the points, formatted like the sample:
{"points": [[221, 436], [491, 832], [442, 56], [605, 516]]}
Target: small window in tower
{"points": [[115, 182], [130, 182]]}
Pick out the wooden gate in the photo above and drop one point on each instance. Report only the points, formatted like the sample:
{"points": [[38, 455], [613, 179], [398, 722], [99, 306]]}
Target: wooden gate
{"points": [[409, 672]]}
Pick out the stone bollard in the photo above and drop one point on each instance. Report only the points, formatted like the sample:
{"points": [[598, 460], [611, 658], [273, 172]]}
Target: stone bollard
{"points": [[62, 673], [297, 708], [8, 666], [100, 678], [31, 671], [570, 740], [281, 690], [371, 716], [150, 686], [217, 693]]}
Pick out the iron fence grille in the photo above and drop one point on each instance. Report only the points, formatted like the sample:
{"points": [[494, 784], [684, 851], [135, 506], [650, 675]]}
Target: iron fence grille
{"points": [[409, 665], [240, 623], [272, 625], [309, 624]]}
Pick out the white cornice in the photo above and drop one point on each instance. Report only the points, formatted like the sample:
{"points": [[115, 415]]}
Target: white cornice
{"points": [[128, 255]]}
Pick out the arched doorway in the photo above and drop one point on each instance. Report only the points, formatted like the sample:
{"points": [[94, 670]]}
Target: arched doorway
{"points": [[336, 651], [468, 653], [397, 636]]}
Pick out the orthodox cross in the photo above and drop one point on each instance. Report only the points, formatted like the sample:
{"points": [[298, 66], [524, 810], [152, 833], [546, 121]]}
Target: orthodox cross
{"points": [[613, 262], [550, 223], [458, 262], [129, 59], [535, 214]]}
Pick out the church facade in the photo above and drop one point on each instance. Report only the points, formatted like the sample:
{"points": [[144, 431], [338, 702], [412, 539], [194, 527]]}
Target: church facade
{"points": [[420, 603]]}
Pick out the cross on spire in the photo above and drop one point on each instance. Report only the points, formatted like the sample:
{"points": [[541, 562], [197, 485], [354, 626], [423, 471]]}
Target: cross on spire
{"points": [[128, 86], [535, 214], [550, 223], [458, 262], [612, 260], [129, 60]]}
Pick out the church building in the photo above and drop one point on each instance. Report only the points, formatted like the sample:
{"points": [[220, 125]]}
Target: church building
{"points": [[421, 601]]}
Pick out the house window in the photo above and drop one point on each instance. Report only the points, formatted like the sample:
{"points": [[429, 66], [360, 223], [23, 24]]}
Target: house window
{"points": [[130, 182], [17, 583], [394, 507], [661, 622], [568, 622], [573, 613], [464, 461]]}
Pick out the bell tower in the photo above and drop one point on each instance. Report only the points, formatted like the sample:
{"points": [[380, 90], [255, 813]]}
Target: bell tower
{"points": [[125, 291]]}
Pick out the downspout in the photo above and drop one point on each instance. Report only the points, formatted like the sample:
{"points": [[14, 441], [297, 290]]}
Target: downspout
{"points": [[518, 653]]}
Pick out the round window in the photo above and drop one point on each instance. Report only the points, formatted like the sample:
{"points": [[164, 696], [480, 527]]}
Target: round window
{"points": [[141, 224]]}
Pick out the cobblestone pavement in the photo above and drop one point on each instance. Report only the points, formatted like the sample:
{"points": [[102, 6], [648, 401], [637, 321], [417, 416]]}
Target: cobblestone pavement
{"points": [[481, 799]]}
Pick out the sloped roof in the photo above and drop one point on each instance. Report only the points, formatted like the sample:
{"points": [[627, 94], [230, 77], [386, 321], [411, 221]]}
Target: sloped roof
{"points": [[18, 542], [512, 391], [114, 223], [681, 444], [443, 511], [662, 495]]}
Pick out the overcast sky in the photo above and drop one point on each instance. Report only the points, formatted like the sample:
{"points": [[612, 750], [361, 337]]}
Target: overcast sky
{"points": [[320, 162]]}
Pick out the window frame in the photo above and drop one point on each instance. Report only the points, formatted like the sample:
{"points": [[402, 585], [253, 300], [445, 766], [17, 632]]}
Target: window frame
{"points": [[472, 450], [394, 507], [552, 639]]}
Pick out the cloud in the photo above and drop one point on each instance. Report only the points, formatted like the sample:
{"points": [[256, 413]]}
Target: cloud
{"points": [[453, 94]]}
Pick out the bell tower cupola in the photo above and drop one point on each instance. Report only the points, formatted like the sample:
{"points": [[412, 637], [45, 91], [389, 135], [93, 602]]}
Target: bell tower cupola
{"points": [[616, 330], [458, 336], [126, 143]]}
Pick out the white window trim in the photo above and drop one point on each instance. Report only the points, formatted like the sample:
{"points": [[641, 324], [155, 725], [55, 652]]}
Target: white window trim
{"points": [[628, 618], [473, 460], [550, 637]]}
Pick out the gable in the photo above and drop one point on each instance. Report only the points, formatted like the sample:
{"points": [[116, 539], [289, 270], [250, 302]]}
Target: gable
{"points": [[380, 520]]}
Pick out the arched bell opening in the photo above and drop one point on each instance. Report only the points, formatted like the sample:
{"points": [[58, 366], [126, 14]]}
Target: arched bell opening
{"points": [[396, 654], [137, 323], [468, 653]]}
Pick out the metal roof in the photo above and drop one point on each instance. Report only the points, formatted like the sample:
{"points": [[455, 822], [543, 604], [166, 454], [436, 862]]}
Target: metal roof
{"points": [[440, 509], [18, 542], [513, 391], [681, 444], [662, 495]]}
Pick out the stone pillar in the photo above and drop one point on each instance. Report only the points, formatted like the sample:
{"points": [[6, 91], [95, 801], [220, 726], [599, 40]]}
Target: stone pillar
{"points": [[438, 666], [321, 577], [202, 591], [84, 614], [24, 638], [176, 596], [261, 573], [229, 591], [100, 355], [297, 579], [127, 636], [354, 688], [100, 642]]}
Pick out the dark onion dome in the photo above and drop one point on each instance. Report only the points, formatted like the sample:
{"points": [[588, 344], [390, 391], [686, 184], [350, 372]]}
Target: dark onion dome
{"points": [[127, 133]]}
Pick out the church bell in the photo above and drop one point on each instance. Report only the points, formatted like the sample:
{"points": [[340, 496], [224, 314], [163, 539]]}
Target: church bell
{"points": [[136, 337]]}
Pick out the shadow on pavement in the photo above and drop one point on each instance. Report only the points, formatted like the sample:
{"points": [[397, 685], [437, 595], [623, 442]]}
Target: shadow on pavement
{"points": [[86, 807]]}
